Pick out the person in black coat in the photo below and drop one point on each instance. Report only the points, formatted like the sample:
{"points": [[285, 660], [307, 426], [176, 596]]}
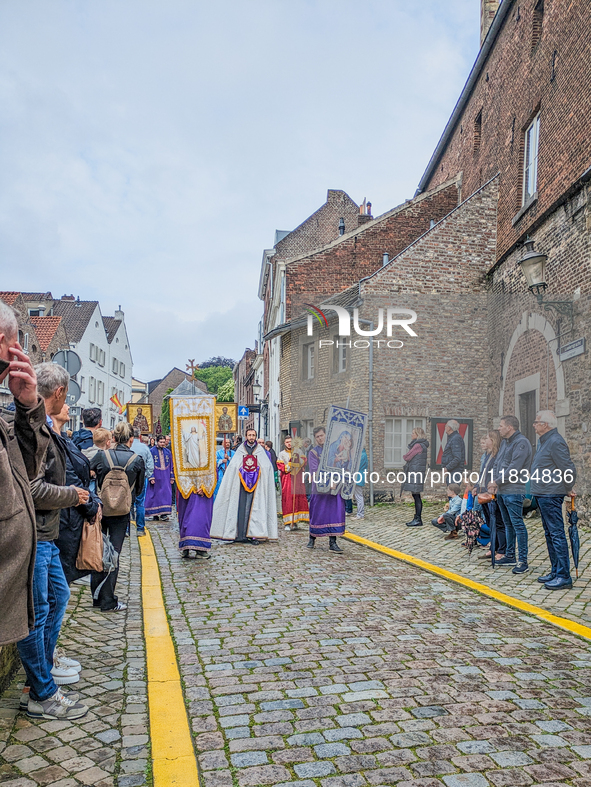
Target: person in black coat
{"points": [[116, 526], [416, 469], [72, 519], [453, 459]]}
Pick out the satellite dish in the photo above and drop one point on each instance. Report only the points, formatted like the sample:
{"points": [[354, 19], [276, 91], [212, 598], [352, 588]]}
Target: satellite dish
{"points": [[73, 392], [69, 360]]}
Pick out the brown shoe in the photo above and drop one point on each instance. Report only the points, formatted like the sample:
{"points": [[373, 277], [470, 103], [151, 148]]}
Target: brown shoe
{"points": [[451, 536]]}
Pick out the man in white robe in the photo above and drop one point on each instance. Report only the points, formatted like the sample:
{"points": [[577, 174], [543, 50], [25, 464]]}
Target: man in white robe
{"points": [[245, 509]]}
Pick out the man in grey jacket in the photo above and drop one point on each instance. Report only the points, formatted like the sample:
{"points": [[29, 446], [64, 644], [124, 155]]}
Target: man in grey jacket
{"points": [[510, 475], [553, 476], [50, 589]]}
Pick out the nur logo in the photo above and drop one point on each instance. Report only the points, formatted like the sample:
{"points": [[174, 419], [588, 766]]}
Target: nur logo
{"points": [[392, 318]]}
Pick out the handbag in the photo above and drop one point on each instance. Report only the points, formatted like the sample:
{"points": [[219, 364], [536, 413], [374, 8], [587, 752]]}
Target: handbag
{"points": [[90, 551], [485, 497]]}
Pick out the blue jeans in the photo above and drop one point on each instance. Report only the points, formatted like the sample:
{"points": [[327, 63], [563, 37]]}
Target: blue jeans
{"points": [[511, 508], [140, 508], [50, 599], [551, 513]]}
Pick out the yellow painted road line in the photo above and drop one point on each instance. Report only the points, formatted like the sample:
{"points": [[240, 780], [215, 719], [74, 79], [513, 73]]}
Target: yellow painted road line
{"points": [[524, 606], [173, 756]]}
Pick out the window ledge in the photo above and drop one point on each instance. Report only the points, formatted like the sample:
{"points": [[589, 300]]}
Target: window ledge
{"points": [[532, 200]]}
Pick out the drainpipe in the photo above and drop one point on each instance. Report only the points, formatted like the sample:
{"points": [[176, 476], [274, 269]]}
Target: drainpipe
{"points": [[370, 412]]}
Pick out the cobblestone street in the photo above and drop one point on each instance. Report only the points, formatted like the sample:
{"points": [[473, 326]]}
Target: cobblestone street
{"points": [[304, 668], [385, 524]]}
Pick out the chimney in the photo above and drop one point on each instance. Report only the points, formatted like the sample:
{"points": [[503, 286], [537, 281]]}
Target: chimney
{"points": [[119, 315], [488, 10], [364, 213]]}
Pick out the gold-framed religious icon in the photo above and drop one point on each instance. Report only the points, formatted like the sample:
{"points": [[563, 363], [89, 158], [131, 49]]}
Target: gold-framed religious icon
{"points": [[226, 417], [140, 417]]}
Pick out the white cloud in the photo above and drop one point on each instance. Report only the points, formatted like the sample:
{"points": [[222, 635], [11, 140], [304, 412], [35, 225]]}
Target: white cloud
{"points": [[151, 149]]}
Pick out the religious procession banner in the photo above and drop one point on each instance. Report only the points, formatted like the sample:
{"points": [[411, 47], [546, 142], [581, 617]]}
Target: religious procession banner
{"points": [[341, 456], [193, 434]]}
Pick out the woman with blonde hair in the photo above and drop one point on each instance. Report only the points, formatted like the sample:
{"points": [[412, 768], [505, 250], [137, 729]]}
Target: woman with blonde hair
{"points": [[490, 511], [415, 469], [116, 526]]}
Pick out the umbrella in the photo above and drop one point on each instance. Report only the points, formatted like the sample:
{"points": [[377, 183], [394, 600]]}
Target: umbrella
{"points": [[492, 515], [573, 534]]}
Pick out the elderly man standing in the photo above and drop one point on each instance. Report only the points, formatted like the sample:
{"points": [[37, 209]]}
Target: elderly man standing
{"points": [[453, 459], [22, 449], [510, 474], [553, 475], [45, 672]]}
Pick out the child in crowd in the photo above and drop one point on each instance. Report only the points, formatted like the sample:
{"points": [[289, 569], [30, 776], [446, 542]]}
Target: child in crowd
{"points": [[447, 520]]}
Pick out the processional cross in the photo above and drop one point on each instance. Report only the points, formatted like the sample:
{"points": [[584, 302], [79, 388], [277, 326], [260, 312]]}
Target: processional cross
{"points": [[350, 385]]}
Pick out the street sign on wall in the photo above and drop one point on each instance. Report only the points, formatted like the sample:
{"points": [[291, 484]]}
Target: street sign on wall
{"points": [[572, 349], [243, 412]]}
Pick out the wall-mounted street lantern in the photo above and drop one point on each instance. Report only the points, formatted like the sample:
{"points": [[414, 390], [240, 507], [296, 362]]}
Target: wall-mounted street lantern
{"points": [[256, 390], [533, 265]]}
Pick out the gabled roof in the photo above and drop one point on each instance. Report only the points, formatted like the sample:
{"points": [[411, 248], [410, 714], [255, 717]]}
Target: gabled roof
{"points": [[111, 327], [37, 296], [77, 315], [9, 297], [45, 328]]}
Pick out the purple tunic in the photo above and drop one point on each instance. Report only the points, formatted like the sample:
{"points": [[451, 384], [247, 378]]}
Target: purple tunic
{"points": [[159, 494], [194, 515], [327, 512]]}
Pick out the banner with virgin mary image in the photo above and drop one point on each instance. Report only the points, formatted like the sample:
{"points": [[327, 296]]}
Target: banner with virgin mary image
{"points": [[193, 433], [341, 456]]}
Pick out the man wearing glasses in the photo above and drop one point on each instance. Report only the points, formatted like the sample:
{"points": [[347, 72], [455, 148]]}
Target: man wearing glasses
{"points": [[553, 476]]}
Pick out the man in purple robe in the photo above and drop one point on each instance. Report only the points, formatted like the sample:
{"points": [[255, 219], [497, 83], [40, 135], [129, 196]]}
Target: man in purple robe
{"points": [[194, 515], [327, 512], [159, 493]]}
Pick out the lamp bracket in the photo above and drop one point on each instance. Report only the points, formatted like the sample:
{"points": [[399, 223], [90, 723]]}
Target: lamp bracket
{"points": [[564, 307]]}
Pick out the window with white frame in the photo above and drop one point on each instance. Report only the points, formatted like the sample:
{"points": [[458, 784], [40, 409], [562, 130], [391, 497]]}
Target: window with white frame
{"points": [[101, 357], [308, 365], [308, 429], [100, 393], [82, 385], [340, 355], [122, 370], [91, 389], [397, 437], [115, 366], [530, 159], [92, 352]]}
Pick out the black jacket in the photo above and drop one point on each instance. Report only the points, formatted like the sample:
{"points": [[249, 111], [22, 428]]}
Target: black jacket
{"points": [[72, 519], [453, 458], [49, 491], [513, 461], [418, 466], [553, 456], [136, 470]]}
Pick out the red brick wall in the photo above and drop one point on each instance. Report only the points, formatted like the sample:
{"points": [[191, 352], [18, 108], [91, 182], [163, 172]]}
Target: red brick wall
{"points": [[357, 255], [514, 82]]}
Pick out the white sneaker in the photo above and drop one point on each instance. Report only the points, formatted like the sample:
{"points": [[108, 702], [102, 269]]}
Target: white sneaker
{"points": [[287, 527], [61, 660], [24, 700], [63, 676], [56, 707]]}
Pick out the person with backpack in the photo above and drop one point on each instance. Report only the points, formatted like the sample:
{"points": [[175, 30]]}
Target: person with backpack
{"points": [[120, 476]]}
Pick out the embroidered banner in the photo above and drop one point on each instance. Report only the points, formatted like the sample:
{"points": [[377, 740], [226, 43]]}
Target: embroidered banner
{"points": [[345, 435], [192, 429]]}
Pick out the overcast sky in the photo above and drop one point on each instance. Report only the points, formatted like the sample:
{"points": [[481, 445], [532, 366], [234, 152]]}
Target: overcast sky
{"points": [[149, 150]]}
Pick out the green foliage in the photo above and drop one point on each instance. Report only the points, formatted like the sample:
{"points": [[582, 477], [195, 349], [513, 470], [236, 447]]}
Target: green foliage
{"points": [[226, 391], [165, 414], [219, 360], [214, 377]]}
